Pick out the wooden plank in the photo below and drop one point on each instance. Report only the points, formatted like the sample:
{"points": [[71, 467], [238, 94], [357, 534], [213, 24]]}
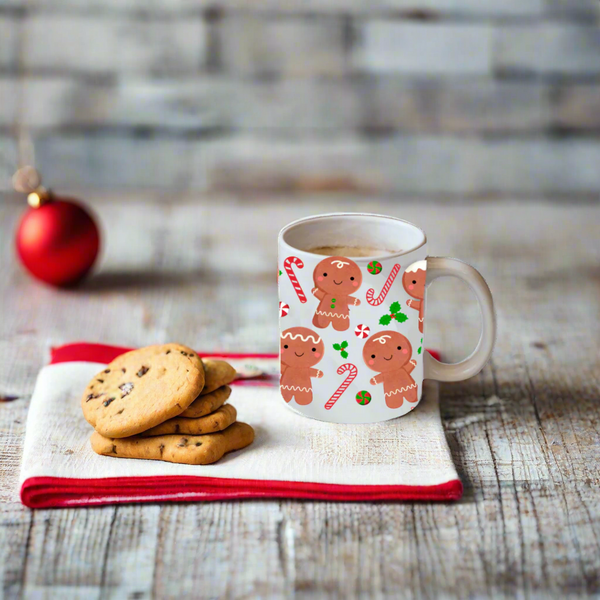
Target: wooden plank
{"points": [[105, 44], [423, 48], [130, 554], [581, 9], [547, 49], [442, 166], [9, 42], [453, 105], [268, 47], [431, 8], [455, 8], [307, 108], [304, 107], [406, 165], [8, 101], [576, 107], [76, 541], [248, 564], [8, 161], [15, 529], [114, 161], [188, 105]]}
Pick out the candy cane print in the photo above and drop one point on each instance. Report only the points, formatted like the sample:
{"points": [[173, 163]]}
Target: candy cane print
{"points": [[287, 265], [349, 379], [386, 288]]}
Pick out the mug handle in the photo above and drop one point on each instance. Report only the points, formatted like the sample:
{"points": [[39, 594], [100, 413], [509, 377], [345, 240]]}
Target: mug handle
{"points": [[451, 267]]}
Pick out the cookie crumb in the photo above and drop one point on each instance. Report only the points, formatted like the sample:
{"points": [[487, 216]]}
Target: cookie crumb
{"points": [[143, 370]]}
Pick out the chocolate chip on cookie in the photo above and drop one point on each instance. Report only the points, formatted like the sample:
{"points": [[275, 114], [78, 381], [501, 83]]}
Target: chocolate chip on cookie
{"points": [[118, 405]]}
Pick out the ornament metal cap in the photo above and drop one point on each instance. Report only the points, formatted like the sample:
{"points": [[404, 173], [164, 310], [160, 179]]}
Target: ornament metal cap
{"points": [[38, 198]]}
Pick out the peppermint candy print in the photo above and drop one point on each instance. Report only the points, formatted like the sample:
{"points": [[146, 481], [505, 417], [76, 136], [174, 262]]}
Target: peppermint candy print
{"points": [[363, 398], [374, 267], [284, 309], [362, 331]]}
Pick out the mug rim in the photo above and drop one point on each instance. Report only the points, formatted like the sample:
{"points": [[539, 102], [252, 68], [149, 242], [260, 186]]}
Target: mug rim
{"points": [[325, 216]]}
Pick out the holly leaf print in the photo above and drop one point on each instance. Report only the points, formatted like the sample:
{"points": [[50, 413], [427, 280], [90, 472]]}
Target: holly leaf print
{"points": [[419, 350], [395, 307], [344, 354], [337, 347], [385, 320], [344, 344], [401, 317]]}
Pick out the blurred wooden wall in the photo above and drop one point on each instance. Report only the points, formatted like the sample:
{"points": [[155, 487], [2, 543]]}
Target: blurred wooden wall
{"points": [[432, 98]]}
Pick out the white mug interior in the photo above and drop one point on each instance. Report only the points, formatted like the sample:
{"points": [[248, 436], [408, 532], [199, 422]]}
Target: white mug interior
{"points": [[393, 237]]}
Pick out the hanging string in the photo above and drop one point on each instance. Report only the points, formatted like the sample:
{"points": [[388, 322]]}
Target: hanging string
{"points": [[26, 180]]}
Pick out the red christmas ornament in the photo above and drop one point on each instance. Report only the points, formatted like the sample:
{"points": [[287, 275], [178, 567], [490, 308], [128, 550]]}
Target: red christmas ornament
{"points": [[57, 239]]}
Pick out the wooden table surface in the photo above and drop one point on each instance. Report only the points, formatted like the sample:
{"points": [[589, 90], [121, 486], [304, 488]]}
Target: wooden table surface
{"points": [[525, 433]]}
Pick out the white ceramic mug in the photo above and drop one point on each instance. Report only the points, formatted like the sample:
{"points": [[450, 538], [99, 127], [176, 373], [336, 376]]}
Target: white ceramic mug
{"points": [[352, 330]]}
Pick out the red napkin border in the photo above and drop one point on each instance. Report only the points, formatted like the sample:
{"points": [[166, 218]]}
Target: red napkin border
{"points": [[49, 492]]}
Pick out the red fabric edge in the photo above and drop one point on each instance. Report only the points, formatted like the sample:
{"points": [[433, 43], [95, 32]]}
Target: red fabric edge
{"points": [[47, 492], [102, 353], [55, 492]]}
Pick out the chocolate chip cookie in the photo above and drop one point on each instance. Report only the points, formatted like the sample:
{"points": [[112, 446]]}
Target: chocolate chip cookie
{"points": [[186, 449], [142, 388], [204, 405], [216, 373], [217, 421]]}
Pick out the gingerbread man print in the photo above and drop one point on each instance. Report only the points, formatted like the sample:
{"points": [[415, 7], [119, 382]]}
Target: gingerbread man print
{"points": [[389, 353], [301, 350], [413, 281], [336, 278]]}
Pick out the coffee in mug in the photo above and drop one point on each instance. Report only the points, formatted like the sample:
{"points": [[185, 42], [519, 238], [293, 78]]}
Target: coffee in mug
{"points": [[351, 251]]}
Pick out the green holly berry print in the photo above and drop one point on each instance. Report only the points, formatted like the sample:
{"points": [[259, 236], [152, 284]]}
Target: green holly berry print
{"points": [[341, 348], [395, 313], [420, 347]]}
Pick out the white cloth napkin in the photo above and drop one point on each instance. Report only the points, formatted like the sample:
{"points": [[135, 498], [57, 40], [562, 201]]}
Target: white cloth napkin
{"points": [[292, 456]]}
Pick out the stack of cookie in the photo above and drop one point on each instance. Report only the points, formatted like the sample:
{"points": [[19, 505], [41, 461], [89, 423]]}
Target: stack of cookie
{"points": [[164, 403]]}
